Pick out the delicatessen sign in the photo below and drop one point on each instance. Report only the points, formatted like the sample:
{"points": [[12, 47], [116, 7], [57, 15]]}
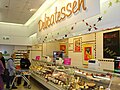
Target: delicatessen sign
{"points": [[60, 15]]}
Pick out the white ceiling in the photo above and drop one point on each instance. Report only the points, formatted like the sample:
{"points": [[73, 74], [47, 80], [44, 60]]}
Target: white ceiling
{"points": [[18, 11]]}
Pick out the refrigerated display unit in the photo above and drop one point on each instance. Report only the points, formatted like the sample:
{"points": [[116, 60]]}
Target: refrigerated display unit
{"points": [[117, 64]]}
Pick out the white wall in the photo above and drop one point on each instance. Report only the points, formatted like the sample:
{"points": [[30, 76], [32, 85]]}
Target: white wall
{"points": [[77, 57], [48, 48], [64, 26], [15, 30], [33, 39], [110, 19], [11, 49], [36, 50], [45, 49], [18, 34], [18, 47]]}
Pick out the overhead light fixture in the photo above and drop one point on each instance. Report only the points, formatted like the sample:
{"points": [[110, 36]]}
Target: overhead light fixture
{"points": [[103, 1], [6, 6], [11, 23], [80, 34], [32, 10], [33, 35]]}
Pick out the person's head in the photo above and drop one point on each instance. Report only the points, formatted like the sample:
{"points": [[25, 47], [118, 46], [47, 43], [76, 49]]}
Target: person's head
{"points": [[13, 55], [1, 55], [25, 55]]}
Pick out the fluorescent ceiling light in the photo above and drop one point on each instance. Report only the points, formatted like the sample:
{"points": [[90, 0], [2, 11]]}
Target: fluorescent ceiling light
{"points": [[32, 10], [33, 35], [11, 24], [43, 8], [103, 1]]}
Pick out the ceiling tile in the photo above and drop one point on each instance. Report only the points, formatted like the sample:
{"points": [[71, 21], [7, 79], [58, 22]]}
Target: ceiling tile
{"points": [[4, 3], [18, 11], [17, 5], [3, 14]]}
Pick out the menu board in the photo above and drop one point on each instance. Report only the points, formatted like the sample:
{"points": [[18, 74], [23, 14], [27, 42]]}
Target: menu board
{"points": [[111, 44]]}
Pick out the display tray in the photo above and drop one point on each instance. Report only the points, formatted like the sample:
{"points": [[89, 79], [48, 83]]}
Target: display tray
{"points": [[46, 83]]}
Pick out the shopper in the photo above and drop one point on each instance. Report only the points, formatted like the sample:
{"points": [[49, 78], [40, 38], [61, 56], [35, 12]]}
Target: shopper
{"points": [[24, 65], [1, 72], [3, 62], [2, 59], [11, 70]]}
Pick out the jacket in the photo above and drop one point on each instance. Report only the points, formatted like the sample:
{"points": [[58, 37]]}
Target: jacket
{"points": [[3, 61], [25, 63], [11, 67]]}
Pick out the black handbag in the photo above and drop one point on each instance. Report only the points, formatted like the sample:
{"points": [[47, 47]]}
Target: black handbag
{"points": [[6, 72], [5, 75]]}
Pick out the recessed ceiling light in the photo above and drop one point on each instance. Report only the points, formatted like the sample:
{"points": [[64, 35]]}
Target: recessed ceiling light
{"points": [[6, 6], [32, 10], [104, 1]]}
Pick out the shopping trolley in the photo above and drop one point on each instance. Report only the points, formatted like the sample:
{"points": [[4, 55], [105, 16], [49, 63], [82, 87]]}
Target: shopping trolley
{"points": [[22, 73]]}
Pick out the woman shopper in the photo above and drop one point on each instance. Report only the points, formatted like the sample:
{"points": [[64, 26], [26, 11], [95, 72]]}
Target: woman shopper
{"points": [[1, 72], [11, 69], [2, 59], [24, 65]]}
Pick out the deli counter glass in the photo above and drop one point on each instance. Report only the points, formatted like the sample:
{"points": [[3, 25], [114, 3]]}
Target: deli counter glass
{"points": [[61, 77]]}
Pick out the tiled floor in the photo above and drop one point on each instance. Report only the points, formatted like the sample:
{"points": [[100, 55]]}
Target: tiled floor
{"points": [[34, 86]]}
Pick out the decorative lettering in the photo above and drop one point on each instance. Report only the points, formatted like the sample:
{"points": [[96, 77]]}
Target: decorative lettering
{"points": [[68, 8], [63, 13], [58, 16], [74, 7]]}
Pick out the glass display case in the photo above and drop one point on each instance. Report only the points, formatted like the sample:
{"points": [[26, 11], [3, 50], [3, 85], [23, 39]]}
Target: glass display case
{"points": [[60, 77]]}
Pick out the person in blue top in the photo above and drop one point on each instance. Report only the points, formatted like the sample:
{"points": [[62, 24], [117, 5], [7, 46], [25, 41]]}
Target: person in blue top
{"points": [[11, 69]]}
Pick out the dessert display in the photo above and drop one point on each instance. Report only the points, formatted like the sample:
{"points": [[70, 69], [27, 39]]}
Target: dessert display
{"points": [[71, 78]]}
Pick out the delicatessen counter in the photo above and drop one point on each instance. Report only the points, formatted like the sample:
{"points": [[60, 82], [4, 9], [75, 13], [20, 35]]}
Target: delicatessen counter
{"points": [[61, 77]]}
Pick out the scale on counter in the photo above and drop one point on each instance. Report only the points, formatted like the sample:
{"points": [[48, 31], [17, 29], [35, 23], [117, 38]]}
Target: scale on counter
{"points": [[58, 57], [117, 64], [93, 64]]}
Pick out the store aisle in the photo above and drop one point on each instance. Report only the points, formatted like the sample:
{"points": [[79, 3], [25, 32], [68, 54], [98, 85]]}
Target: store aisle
{"points": [[34, 86]]}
